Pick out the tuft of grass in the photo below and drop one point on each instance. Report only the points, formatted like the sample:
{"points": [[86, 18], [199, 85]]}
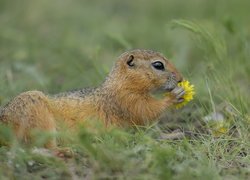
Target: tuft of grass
{"points": [[213, 45]]}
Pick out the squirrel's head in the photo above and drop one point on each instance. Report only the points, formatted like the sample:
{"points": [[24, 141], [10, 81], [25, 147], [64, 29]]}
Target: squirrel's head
{"points": [[145, 71]]}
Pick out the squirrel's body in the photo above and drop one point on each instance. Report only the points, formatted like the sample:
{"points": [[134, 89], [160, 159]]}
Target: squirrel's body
{"points": [[125, 98]]}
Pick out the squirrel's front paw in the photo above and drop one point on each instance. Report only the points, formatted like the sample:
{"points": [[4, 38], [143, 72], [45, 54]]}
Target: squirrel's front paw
{"points": [[177, 94]]}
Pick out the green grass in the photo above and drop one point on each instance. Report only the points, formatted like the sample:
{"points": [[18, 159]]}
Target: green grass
{"points": [[56, 46]]}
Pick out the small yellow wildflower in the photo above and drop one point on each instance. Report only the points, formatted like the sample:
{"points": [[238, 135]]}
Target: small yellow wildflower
{"points": [[219, 129], [189, 93]]}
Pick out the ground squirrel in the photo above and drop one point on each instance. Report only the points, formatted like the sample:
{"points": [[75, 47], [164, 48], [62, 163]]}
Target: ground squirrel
{"points": [[124, 98]]}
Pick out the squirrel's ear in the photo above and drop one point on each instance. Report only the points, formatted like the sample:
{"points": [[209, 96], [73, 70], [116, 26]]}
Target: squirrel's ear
{"points": [[130, 61]]}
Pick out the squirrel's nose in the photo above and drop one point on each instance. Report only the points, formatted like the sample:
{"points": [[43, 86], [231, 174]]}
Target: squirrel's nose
{"points": [[178, 77]]}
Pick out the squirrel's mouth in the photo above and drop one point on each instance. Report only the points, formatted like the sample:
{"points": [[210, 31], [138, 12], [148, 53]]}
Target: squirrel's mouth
{"points": [[170, 86], [165, 88], [168, 89]]}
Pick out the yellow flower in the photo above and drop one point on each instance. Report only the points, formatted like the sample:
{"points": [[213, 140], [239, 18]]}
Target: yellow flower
{"points": [[189, 93], [219, 128]]}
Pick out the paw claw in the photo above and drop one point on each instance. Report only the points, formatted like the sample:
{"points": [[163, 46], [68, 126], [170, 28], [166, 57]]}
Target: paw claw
{"points": [[178, 93]]}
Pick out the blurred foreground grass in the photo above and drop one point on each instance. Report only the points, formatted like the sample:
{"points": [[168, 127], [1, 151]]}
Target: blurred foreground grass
{"points": [[56, 46]]}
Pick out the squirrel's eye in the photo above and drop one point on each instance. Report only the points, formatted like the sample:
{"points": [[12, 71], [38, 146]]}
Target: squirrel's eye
{"points": [[158, 65]]}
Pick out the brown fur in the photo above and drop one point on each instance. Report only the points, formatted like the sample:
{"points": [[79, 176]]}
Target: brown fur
{"points": [[125, 98]]}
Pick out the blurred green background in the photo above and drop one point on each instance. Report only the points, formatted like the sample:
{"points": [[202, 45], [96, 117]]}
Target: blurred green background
{"points": [[60, 45]]}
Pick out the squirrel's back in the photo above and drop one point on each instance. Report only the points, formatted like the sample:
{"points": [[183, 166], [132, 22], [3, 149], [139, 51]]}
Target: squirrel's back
{"points": [[79, 93]]}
